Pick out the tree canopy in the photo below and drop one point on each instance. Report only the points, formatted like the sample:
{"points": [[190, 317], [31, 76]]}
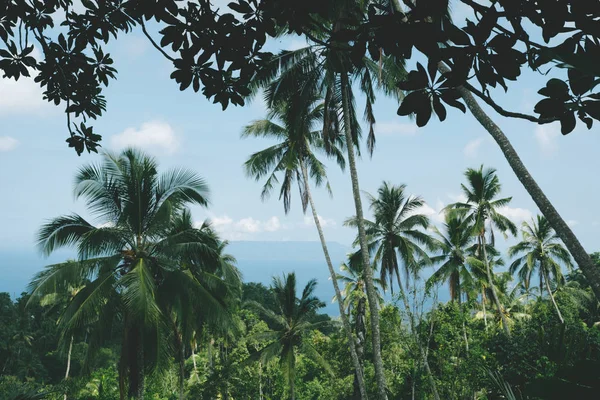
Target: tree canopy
{"points": [[219, 50]]}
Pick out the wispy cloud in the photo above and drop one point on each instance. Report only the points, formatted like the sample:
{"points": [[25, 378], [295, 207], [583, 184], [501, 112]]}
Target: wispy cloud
{"points": [[154, 136], [546, 136], [395, 129], [24, 96], [516, 214], [471, 150], [8, 143], [244, 228], [325, 222]]}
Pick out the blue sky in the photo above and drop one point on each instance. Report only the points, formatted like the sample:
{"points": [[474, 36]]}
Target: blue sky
{"points": [[146, 109]]}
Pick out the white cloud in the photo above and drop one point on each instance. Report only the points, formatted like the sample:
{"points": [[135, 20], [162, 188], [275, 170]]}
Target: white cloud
{"points": [[152, 135], [8, 143], [457, 198], [395, 128], [218, 222], [471, 150], [572, 222], [436, 214], [272, 224], [516, 214], [248, 225], [546, 136], [22, 96], [325, 222], [244, 228]]}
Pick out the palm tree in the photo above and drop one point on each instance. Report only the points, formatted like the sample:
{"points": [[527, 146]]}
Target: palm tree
{"points": [[294, 158], [395, 233], [354, 301], [59, 300], [583, 259], [185, 315], [515, 307], [292, 322], [455, 244], [394, 236], [329, 71], [143, 254], [541, 250], [480, 208]]}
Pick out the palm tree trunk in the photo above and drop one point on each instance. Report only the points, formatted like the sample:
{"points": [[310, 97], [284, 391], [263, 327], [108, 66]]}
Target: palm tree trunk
{"points": [[493, 287], [345, 322], [362, 238], [547, 280], [181, 371], [141, 376], [195, 365], [260, 389], [68, 363], [583, 259], [483, 307]]}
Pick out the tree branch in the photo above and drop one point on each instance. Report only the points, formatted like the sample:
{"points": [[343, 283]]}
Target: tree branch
{"points": [[444, 69], [164, 53], [501, 110]]}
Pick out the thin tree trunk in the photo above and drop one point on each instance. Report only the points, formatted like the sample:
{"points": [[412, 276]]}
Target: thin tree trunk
{"points": [[547, 280], [260, 389], [492, 287], [581, 256], [345, 322], [141, 376], [362, 238], [483, 307], [195, 365], [411, 320], [68, 363], [181, 371]]}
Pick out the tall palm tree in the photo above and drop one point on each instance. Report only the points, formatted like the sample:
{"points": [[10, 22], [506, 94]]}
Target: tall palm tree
{"points": [[395, 236], [482, 207], [354, 301], [292, 324], [541, 250], [294, 157], [143, 253], [329, 71], [455, 245]]}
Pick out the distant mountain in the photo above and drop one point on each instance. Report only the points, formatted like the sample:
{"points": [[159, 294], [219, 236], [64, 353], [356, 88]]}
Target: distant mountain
{"points": [[284, 251], [258, 262]]}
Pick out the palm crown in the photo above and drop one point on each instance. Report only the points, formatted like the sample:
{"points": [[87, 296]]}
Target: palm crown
{"points": [[482, 205], [298, 139], [292, 323], [541, 250], [455, 243], [144, 264], [395, 232]]}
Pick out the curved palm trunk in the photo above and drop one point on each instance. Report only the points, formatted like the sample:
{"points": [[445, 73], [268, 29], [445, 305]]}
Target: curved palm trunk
{"points": [[359, 377], [488, 272], [362, 237], [589, 269], [547, 280], [68, 362], [411, 320]]}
